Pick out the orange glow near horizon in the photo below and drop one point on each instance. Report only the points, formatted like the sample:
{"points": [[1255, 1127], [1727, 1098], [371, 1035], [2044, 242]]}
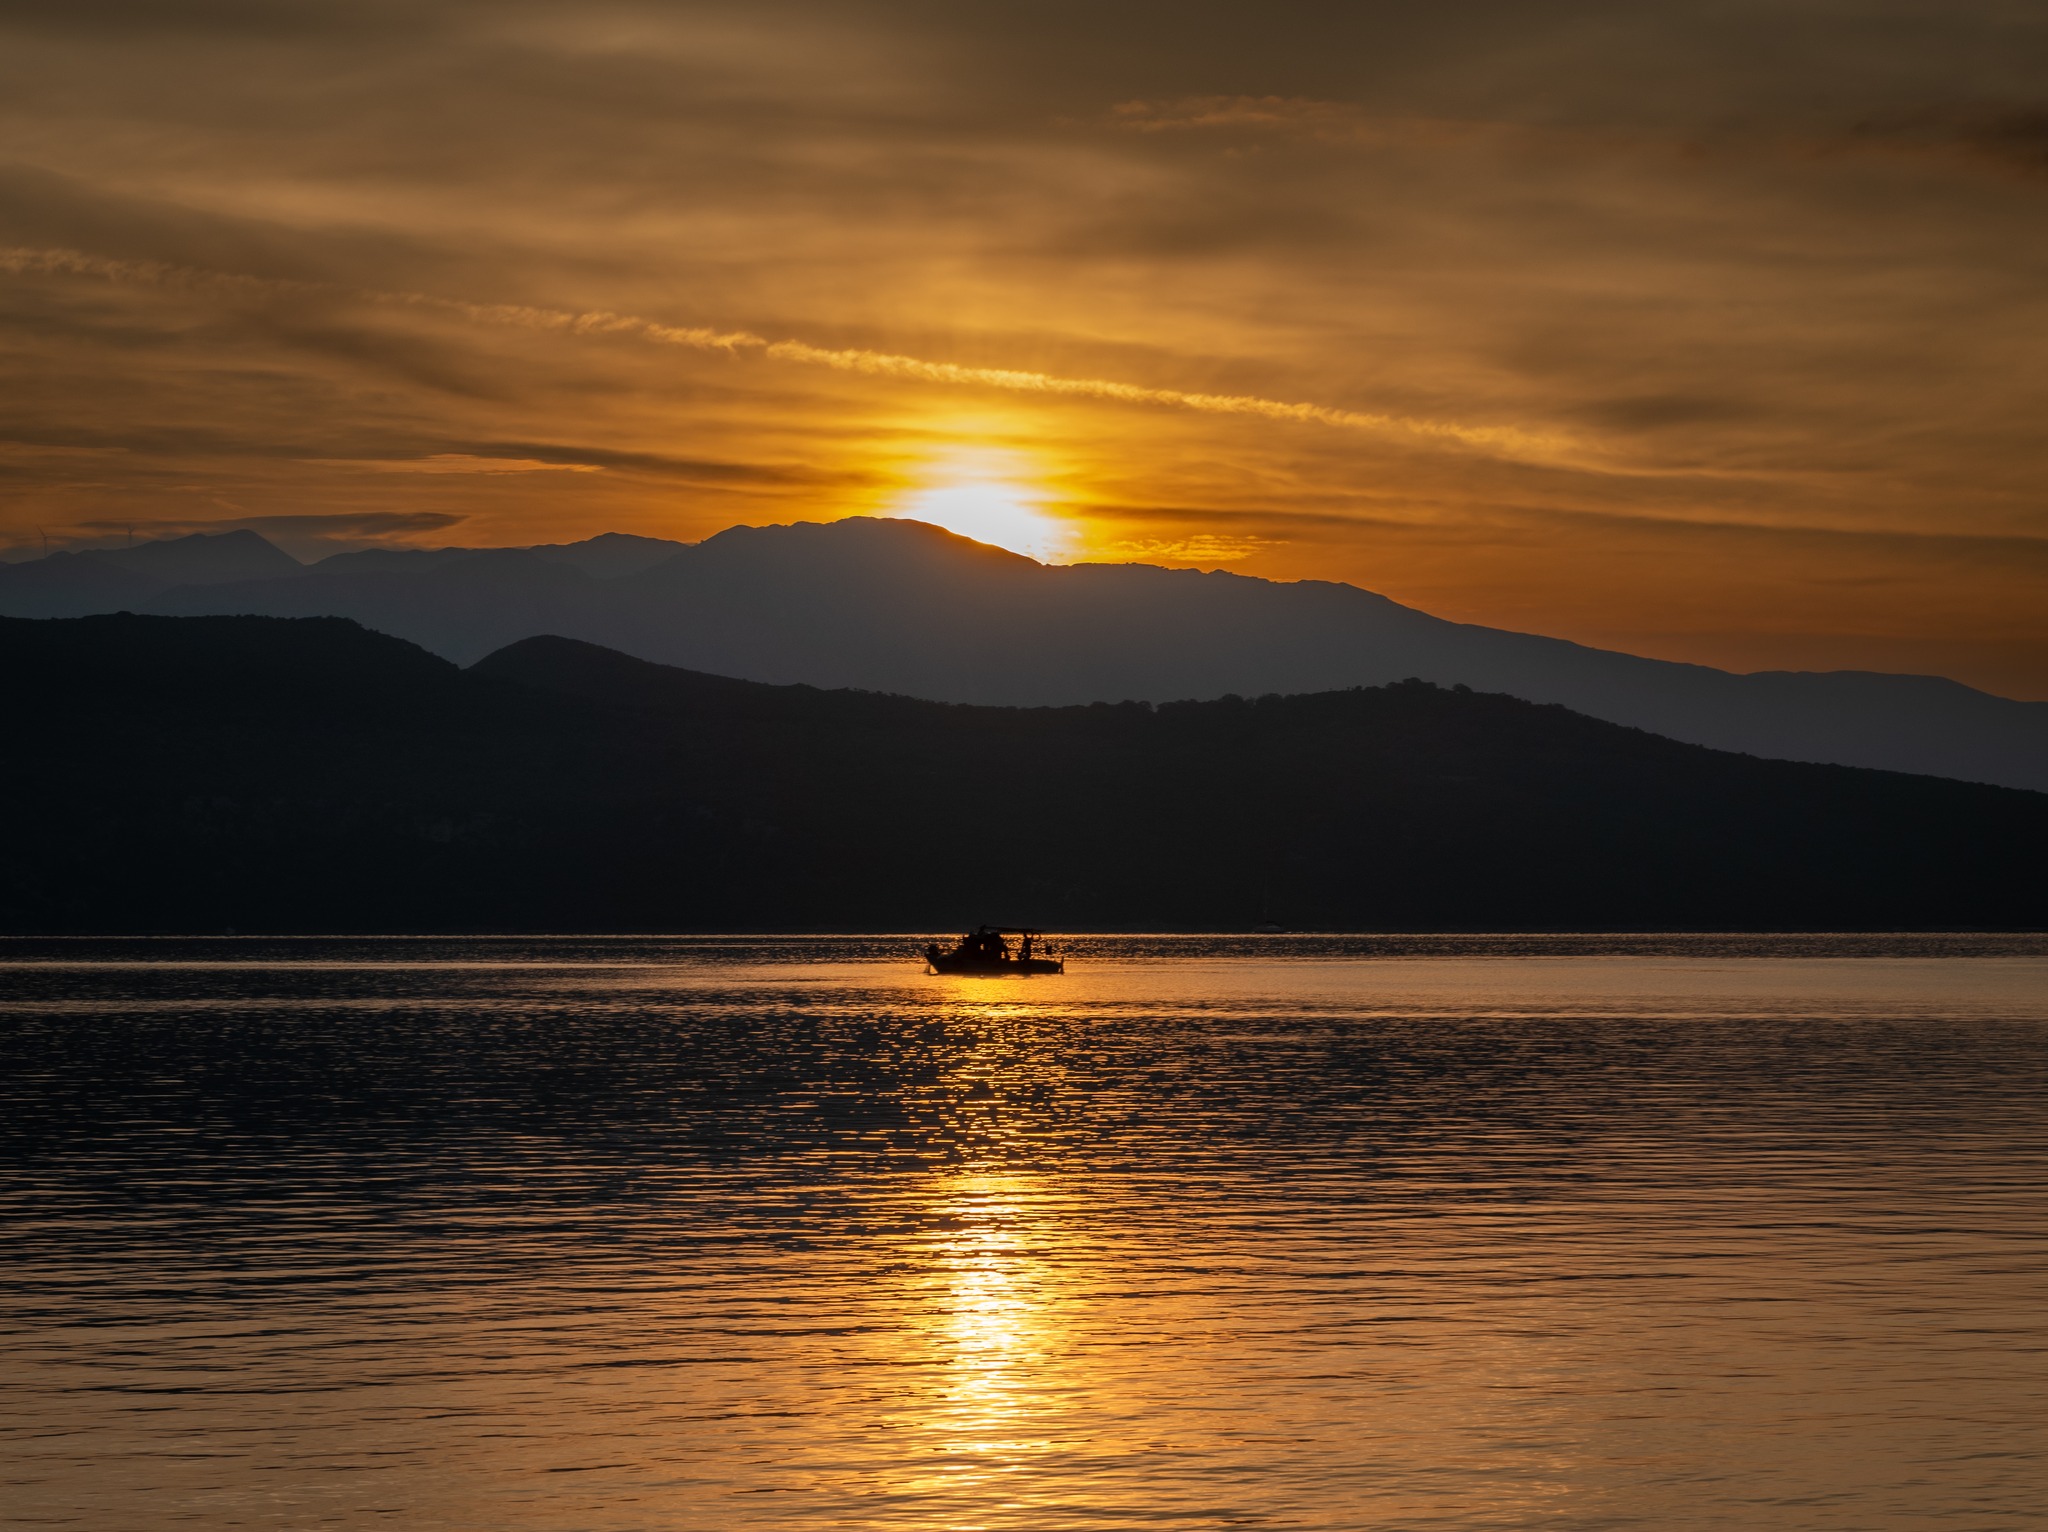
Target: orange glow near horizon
{"points": [[1075, 294], [988, 497]]}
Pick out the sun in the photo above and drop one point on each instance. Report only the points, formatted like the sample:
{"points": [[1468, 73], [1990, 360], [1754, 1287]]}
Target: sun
{"points": [[992, 509]]}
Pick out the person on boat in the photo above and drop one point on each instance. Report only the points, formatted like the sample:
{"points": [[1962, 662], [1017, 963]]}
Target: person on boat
{"points": [[984, 950]]}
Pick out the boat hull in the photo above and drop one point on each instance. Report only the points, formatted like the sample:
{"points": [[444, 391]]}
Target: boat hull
{"points": [[947, 963]]}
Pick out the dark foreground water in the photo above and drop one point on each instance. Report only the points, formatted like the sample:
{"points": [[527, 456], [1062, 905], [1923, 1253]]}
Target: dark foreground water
{"points": [[1479, 1233]]}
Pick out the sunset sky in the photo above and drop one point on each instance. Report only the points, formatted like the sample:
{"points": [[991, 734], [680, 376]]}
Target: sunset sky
{"points": [[1713, 331]]}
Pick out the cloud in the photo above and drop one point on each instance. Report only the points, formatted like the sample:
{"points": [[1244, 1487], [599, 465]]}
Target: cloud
{"points": [[305, 537], [360, 524], [1329, 122], [2016, 137], [1507, 440], [1203, 549], [1416, 295], [48, 451], [1281, 112], [2001, 136], [454, 462]]}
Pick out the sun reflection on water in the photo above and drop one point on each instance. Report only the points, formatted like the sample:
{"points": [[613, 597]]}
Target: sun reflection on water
{"points": [[1471, 1242], [992, 1326]]}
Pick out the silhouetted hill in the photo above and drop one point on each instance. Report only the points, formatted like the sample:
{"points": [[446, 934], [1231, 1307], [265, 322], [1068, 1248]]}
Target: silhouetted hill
{"points": [[203, 773], [901, 607]]}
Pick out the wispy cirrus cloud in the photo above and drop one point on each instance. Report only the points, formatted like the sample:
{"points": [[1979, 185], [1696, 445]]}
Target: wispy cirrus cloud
{"points": [[452, 462], [1506, 440], [1336, 122], [305, 537], [345, 524]]}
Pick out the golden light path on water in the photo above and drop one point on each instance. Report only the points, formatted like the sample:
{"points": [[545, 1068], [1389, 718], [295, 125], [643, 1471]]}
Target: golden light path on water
{"points": [[739, 1234], [997, 1327]]}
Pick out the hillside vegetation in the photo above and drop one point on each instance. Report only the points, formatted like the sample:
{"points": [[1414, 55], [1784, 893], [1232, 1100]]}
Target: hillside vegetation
{"points": [[205, 773]]}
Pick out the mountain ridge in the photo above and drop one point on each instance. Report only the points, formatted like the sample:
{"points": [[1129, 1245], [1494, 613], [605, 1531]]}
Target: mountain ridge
{"points": [[899, 606]]}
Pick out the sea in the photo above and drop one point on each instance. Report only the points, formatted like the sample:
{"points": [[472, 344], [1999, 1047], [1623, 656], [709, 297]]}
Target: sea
{"points": [[581, 1234]]}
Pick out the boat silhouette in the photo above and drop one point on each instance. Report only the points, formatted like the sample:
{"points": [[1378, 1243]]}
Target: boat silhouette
{"points": [[985, 950]]}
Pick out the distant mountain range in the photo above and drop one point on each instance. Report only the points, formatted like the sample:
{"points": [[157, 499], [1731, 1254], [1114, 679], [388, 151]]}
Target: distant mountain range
{"points": [[898, 606], [195, 774]]}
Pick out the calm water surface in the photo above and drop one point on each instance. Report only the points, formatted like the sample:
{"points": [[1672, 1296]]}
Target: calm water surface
{"points": [[637, 1234]]}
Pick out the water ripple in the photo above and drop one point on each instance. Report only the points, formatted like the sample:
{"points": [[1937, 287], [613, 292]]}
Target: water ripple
{"points": [[1280, 1232]]}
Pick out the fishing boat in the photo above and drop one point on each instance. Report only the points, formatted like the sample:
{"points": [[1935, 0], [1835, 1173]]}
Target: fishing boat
{"points": [[986, 950]]}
